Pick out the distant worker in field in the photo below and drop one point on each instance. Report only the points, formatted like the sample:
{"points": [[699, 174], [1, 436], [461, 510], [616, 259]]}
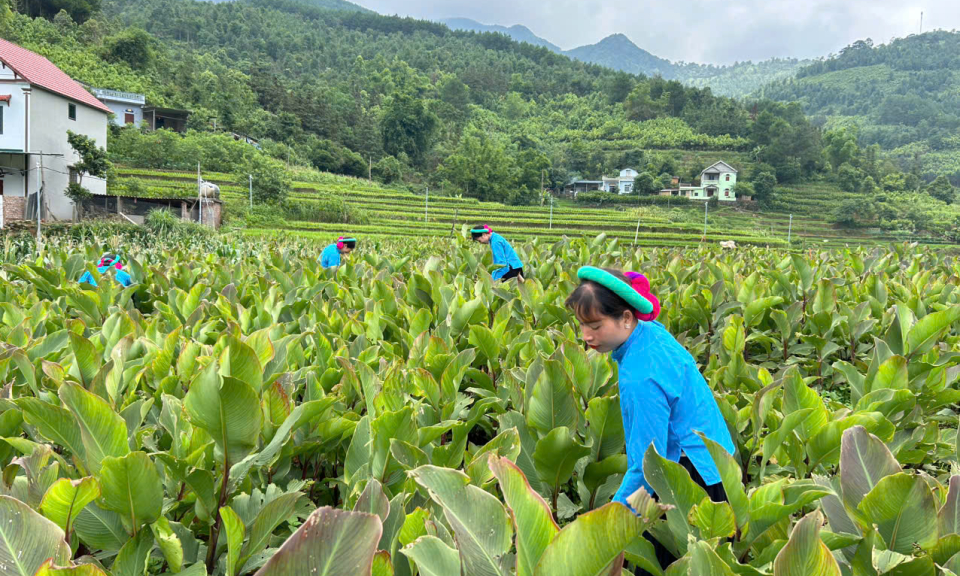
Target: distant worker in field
{"points": [[664, 399], [330, 257], [108, 261], [503, 253]]}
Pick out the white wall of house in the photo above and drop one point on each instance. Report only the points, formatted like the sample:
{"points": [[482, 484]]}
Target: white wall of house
{"points": [[49, 122], [13, 130]]}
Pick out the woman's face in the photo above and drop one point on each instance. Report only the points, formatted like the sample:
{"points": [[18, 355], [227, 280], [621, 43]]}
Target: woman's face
{"points": [[607, 333]]}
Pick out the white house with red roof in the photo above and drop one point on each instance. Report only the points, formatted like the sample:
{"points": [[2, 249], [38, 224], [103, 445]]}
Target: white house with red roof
{"points": [[39, 103]]}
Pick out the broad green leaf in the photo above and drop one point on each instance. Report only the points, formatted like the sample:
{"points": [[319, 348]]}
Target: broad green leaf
{"points": [[949, 516], [235, 532], [241, 362], [805, 554], [798, 396], [824, 448], [433, 557], [483, 338], [133, 557], [591, 542], [230, 412], [270, 517], [674, 487], [131, 487], [53, 423], [605, 427], [531, 513], [66, 498], [382, 566], [27, 539], [552, 403], [169, 543], [704, 561], [556, 455], [329, 543], [731, 476], [904, 511], [864, 461], [479, 521], [891, 374], [85, 357], [48, 569], [100, 529], [102, 431], [929, 330], [714, 519]]}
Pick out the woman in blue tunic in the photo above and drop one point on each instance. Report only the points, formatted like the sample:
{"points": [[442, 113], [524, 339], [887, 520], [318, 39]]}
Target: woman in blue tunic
{"points": [[330, 257], [108, 261], [664, 399], [503, 253]]}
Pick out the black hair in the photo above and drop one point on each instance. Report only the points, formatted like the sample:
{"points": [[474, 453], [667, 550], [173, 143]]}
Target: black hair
{"points": [[591, 300], [477, 235], [351, 243]]}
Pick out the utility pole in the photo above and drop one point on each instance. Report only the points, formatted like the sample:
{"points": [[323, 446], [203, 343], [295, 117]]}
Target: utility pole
{"points": [[921, 21], [370, 169], [551, 212], [541, 192], [790, 229], [251, 189], [426, 205]]}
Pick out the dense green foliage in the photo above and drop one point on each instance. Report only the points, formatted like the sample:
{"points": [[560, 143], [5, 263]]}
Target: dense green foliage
{"points": [[902, 96], [238, 410], [339, 90]]}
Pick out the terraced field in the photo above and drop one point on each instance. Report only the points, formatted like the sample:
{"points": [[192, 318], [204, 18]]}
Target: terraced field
{"points": [[397, 213]]}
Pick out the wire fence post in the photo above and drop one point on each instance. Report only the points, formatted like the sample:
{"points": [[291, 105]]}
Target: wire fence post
{"points": [[250, 176], [551, 212], [790, 230], [426, 206], [637, 235], [39, 186], [706, 209], [199, 196]]}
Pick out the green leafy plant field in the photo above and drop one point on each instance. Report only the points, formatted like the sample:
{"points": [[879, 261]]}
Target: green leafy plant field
{"points": [[240, 411]]}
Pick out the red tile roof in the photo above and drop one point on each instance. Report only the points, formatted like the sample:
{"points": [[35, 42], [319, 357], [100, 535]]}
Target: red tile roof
{"points": [[39, 71]]}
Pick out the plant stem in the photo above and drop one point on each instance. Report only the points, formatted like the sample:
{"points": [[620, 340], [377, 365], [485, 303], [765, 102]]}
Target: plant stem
{"points": [[215, 529]]}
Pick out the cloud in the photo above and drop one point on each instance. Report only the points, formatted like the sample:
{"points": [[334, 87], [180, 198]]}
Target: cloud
{"points": [[707, 31]]}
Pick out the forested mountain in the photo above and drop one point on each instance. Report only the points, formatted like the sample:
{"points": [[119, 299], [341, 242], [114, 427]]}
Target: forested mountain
{"points": [[620, 53], [904, 96], [328, 4], [517, 32]]}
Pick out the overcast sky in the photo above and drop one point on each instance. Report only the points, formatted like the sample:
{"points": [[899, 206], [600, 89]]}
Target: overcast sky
{"points": [[707, 31]]}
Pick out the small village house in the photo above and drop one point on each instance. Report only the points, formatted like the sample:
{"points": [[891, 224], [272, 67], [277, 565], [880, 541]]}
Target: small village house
{"points": [[127, 107], [39, 103], [717, 181], [622, 184]]}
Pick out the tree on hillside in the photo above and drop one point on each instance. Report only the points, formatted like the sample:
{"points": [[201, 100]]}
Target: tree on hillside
{"points": [[133, 46], [79, 10], [645, 184], [763, 185], [849, 178], [408, 127], [941, 189]]}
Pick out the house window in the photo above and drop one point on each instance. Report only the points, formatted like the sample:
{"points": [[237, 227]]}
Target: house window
{"points": [[726, 192], [728, 177], [74, 176], [72, 111]]}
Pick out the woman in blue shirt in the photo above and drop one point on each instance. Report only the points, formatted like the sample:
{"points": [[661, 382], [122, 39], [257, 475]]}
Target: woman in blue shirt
{"points": [[503, 253], [664, 399], [108, 261], [330, 257]]}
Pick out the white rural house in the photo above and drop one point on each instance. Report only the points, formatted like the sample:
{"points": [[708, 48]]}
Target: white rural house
{"points": [[38, 104], [717, 181], [622, 184]]}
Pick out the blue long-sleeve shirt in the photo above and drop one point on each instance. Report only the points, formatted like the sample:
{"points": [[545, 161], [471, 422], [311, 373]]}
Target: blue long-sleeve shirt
{"points": [[503, 254], [665, 400], [330, 257], [121, 276]]}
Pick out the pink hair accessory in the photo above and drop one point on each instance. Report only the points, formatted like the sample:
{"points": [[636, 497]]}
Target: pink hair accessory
{"points": [[339, 243], [640, 283]]}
